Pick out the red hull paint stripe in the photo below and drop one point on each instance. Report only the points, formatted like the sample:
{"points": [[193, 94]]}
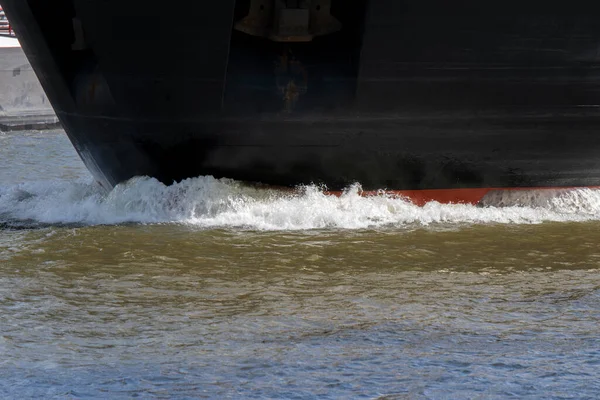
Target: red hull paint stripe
{"points": [[453, 196]]}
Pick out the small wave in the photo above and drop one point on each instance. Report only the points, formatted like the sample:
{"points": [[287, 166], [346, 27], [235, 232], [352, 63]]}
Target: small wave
{"points": [[212, 203]]}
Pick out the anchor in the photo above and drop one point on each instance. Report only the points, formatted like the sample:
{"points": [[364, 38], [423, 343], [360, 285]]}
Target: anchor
{"points": [[292, 79]]}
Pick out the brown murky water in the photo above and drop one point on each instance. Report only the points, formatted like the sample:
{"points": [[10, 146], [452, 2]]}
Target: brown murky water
{"points": [[212, 290]]}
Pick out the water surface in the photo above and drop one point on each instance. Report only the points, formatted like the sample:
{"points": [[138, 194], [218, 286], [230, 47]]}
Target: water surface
{"points": [[211, 289]]}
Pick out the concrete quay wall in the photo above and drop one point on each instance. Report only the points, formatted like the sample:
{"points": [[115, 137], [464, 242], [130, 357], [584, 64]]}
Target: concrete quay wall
{"points": [[23, 103]]}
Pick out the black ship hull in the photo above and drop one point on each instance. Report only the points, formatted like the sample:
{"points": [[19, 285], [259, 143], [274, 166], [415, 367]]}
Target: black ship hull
{"points": [[407, 95]]}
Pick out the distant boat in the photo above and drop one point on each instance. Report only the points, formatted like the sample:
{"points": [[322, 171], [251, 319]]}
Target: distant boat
{"points": [[447, 98]]}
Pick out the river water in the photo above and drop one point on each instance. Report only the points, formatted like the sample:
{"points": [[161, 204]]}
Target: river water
{"points": [[211, 289]]}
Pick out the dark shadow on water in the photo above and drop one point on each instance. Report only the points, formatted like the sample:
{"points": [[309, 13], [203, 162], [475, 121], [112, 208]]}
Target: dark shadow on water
{"points": [[7, 224]]}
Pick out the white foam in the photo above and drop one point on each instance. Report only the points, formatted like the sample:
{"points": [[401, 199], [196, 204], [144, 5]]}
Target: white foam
{"points": [[208, 202]]}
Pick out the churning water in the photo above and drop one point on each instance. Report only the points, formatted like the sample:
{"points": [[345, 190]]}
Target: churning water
{"points": [[206, 202], [212, 289]]}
